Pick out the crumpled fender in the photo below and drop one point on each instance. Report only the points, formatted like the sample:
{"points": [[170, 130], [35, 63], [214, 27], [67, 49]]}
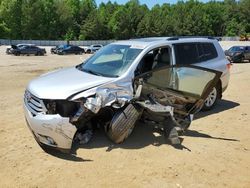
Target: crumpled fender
{"points": [[114, 94]]}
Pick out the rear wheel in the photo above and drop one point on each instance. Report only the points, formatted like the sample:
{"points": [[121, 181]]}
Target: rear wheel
{"points": [[212, 99], [122, 124]]}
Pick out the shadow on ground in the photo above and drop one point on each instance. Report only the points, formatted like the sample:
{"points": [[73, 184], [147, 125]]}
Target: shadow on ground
{"points": [[65, 156], [221, 106]]}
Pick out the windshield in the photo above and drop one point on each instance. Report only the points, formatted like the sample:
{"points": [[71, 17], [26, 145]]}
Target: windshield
{"points": [[111, 61]]}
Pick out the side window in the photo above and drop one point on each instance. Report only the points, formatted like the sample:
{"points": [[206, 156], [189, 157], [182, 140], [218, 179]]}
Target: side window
{"points": [[154, 59], [191, 53], [209, 51], [186, 53]]}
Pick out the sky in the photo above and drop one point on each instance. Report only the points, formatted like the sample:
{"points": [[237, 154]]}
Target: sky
{"points": [[149, 3]]}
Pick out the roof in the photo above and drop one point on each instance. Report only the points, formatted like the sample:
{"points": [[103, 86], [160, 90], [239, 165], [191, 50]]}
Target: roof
{"points": [[145, 42]]}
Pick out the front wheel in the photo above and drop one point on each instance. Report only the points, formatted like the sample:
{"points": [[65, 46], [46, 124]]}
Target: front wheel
{"points": [[122, 124], [17, 53], [211, 99]]}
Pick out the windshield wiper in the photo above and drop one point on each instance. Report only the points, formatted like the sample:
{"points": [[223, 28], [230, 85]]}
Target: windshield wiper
{"points": [[92, 72], [97, 73]]}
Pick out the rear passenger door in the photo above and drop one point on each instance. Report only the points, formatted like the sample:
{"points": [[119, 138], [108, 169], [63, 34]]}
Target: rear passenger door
{"points": [[24, 50], [33, 50]]}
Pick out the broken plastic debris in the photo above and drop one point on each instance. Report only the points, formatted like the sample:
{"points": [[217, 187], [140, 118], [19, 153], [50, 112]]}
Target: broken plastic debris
{"points": [[85, 137], [174, 137]]}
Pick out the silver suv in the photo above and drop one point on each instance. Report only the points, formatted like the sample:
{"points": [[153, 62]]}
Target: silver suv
{"points": [[161, 80]]}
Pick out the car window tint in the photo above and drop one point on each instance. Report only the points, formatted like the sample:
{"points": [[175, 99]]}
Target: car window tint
{"points": [[191, 53], [209, 51], [186, 53]]}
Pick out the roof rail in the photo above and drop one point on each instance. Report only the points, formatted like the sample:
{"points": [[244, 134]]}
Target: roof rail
{"points": [[184, 37]]}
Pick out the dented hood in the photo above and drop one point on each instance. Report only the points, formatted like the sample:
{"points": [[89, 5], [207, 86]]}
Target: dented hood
{"points": [[63, 83]]}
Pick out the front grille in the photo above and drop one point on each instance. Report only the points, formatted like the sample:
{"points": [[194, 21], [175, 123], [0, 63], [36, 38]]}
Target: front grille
{"points": [[34, 104]]}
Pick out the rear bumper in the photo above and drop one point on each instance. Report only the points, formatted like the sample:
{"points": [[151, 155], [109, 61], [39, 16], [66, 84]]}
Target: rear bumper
{"points": [[51, 130]]}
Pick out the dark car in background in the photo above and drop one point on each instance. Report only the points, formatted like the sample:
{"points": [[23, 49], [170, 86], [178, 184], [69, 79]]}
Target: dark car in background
{"points": [[237, 54], [59, 47], [10, 50], [27, 50], [70, 50]]}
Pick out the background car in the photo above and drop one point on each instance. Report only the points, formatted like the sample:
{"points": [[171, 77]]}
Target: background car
{"points": [[28, 50], [238, 54], [59, 47], [9, 51], [70, 50], [93, 48]]}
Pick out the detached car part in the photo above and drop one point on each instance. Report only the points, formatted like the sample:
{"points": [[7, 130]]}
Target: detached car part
{"points": [[123, 122]]}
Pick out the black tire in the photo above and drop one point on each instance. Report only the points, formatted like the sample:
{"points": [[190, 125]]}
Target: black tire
{"points": [[238, 61], [88, 51], [122, 124], [212, 98], [17, 53]]}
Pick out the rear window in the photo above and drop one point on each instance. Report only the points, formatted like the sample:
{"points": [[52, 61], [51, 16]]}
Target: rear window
{"points": [[191, 53]]}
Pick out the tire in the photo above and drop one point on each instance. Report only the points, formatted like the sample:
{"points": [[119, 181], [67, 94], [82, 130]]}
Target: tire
{"points": [[212, 99], [238, 61], [88, 51], [122, 124], [17, 54]]}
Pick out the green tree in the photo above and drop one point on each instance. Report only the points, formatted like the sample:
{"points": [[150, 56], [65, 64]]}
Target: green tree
{"points": [[4, 30], [11, 14]]}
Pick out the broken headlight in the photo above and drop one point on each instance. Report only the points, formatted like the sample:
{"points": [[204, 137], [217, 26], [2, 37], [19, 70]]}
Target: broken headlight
{"points": [[62, 107]]}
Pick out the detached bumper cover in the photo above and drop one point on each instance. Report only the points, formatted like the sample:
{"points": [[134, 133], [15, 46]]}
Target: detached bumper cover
{"points": [[51, 130]]}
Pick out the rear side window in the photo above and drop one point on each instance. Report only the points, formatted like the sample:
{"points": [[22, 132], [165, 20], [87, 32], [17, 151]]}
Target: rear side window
{"points": [[191, 53]]}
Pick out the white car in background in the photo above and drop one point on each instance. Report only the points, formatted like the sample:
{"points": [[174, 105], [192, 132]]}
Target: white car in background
{"points": [[164, 80], [92, 48]]}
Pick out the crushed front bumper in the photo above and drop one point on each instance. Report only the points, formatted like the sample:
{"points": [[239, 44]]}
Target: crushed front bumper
{"points": [[51, 130]]}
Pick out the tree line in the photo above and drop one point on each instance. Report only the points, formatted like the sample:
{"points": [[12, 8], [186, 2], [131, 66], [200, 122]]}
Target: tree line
{"points": [[84, 20]]}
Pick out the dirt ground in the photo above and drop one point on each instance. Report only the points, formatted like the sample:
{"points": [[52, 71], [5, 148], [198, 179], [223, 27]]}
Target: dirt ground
{"points": [[215, 151]]}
